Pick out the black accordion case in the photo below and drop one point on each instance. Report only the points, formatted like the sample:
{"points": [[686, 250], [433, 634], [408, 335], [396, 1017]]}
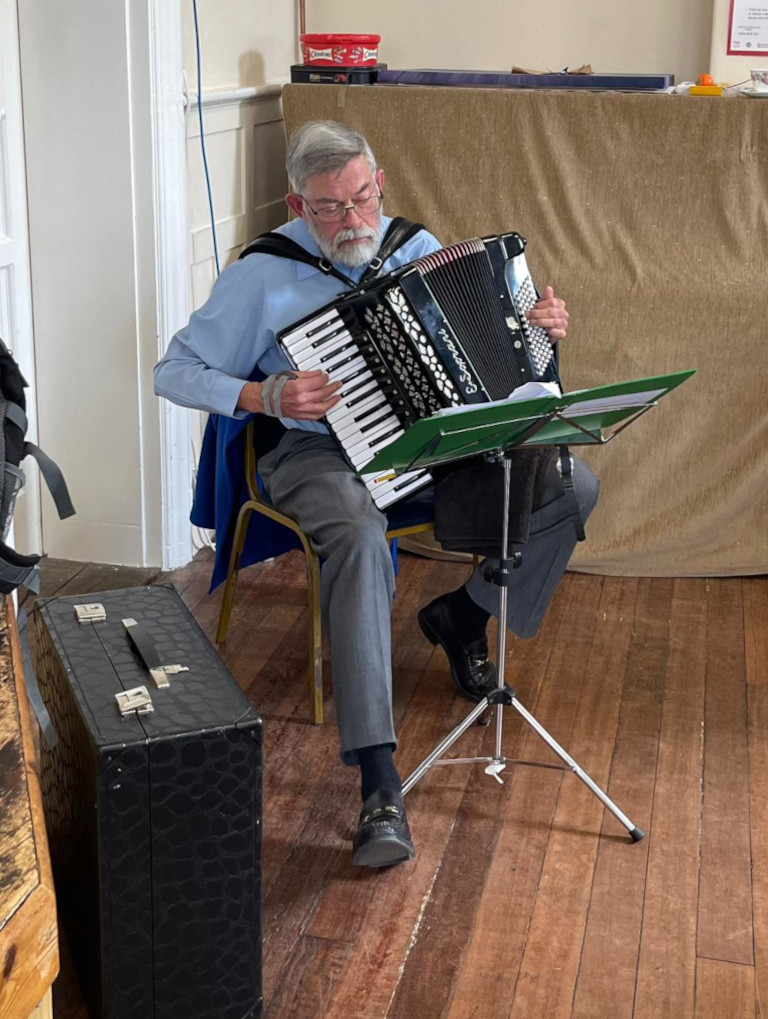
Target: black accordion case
{"points": [[154, 814]]}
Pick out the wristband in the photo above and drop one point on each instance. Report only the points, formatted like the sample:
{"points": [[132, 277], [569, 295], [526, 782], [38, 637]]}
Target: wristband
{"points": [[272, 390]]}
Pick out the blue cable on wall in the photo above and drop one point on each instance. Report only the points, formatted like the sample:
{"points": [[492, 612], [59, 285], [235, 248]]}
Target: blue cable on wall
{"points": [[202, 139]]}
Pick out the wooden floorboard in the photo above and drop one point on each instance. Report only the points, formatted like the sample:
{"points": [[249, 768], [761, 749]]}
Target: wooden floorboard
{"points": [[725, 888], [667, 965], [526, 899]]}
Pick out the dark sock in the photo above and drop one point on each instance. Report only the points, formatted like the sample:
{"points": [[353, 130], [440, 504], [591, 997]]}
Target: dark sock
{"points": [[377, 770], [469, 619]]}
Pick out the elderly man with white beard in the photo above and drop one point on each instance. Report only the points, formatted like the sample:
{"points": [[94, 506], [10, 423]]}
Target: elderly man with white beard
{"points": [[336, 194]]}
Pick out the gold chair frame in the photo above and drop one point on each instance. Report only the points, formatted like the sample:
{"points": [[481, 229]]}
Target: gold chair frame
{"points": [[256, 503]]}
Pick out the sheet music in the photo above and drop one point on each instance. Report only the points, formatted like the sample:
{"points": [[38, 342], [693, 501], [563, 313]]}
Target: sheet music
{"points": [[528, 391], [578, 408]]}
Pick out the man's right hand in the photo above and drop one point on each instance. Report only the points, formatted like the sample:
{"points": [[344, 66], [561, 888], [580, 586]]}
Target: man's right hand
{"points": [[308, 397]]}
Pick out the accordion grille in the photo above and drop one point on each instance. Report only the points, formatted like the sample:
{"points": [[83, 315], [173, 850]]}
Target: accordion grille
{"points": [[462, 281]]}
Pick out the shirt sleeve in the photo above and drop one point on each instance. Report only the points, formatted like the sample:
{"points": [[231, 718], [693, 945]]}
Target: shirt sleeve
{"points": [[210, 359]]}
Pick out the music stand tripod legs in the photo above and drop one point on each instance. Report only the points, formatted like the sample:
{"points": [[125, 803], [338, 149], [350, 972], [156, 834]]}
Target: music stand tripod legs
{"points": [[505, 696]]}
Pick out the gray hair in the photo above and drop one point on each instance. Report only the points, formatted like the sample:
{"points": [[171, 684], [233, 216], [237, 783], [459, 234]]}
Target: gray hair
{"points": [[320, 146]]}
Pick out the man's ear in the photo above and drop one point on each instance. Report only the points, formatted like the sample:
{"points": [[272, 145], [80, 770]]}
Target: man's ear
{"points": [[295, 204], [379, 178]]}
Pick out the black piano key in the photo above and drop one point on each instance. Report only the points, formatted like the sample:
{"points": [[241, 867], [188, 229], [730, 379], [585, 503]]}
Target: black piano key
{"points": [[343, 361], [378, 421], [371, 410], [373, 388], [338, 350], [382, 439], [356, 375], [341, 330]]}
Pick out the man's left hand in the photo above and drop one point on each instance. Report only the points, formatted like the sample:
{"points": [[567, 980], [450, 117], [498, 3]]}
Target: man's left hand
{"points": [[550, 312]]}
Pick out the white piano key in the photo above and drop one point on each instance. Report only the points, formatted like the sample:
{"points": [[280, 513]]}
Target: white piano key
{"points": [[352, 434], [401, 482], [345, 371], [342, 413], [359, 415], [395, 490], [325, 358], [356, 389], [371, 431], [306, 328], [364, 451], [304, 346]]}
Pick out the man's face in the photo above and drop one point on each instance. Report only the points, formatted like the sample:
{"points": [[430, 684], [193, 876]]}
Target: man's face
{"points": [[354, 239]]}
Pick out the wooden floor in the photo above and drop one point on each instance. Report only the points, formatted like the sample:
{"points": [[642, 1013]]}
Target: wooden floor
{"points": [[526, 900]]}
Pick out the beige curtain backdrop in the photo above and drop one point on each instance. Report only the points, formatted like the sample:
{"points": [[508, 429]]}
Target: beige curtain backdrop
{"points": [[649, 215]]}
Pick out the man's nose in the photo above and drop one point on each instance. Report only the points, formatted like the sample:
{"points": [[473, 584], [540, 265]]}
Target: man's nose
{"points": [[351, 215]]}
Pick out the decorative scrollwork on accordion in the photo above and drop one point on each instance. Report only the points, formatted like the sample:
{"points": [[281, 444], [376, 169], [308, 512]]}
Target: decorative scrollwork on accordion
{"points": [[427, 353], [401, 360]]}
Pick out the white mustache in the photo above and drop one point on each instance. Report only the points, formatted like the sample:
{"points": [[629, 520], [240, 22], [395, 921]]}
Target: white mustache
{"points": [[349, 234]]}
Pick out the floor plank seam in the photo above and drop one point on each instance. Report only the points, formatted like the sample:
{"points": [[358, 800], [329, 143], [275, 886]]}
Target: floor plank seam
{"points": [[417, 926]]}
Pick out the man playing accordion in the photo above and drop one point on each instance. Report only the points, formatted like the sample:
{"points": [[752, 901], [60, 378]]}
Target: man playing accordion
{"points": [[336, 195]]}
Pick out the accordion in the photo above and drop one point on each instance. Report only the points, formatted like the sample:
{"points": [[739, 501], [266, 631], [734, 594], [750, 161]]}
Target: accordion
{"points": [[445, 330]]}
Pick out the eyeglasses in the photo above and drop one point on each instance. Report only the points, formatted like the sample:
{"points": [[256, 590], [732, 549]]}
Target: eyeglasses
{"points": [[334, 212]]}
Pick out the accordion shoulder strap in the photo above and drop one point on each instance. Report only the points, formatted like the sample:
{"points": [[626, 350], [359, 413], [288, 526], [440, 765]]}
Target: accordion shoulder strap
{"points": [[283, 247], [398, 233]]}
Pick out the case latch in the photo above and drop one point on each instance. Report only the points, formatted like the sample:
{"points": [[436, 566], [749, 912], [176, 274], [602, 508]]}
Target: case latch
{"points": [[137, 700], [93, 612]]}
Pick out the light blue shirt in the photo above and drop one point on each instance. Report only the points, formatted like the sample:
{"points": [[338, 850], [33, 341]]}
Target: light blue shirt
{"points": [[209, 360]]}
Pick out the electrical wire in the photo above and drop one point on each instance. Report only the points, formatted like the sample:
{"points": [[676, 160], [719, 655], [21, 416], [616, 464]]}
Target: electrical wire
{"points": [[202, 138], [204, 535]]}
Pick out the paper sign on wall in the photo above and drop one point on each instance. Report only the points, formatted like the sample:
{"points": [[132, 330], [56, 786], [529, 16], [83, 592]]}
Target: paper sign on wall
{"points": [[748, 28]]}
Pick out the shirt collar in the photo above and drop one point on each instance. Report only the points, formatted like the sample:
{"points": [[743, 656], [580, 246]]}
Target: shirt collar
{"points": [[301, 235]]}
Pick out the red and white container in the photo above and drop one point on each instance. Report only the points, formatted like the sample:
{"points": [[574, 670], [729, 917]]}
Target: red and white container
{"points": [[333, 50]]}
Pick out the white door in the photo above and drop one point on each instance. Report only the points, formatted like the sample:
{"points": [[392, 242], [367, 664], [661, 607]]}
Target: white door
{"points": [[15, 296]]}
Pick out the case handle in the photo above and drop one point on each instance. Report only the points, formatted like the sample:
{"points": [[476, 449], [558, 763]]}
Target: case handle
{"points": [[147, 651]]}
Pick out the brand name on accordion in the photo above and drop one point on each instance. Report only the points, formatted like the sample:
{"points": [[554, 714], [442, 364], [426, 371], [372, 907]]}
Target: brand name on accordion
{"points": [[465, 377]]}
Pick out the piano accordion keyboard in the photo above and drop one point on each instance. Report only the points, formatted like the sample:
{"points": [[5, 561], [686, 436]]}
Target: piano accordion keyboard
{"points": [[362, 421]]}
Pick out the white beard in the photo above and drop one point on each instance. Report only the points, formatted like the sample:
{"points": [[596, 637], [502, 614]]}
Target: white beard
{"points": [[353, 255]]}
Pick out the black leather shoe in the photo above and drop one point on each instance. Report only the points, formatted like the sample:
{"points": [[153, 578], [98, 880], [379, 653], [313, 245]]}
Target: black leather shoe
{"points": [[473, 673], [382, 837]]}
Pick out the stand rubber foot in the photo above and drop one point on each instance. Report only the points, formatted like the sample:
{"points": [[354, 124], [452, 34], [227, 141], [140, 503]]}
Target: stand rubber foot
{"points": [[636, 834]]}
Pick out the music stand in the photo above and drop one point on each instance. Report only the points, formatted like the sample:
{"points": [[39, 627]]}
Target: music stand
{"points": [[494, 432]]}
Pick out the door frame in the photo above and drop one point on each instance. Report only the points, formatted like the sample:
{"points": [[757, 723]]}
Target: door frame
{"points": [[172, 268], [20, 294]]}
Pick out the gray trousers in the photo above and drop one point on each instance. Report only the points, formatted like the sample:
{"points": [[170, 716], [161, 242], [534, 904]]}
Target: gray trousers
{"points": [[308, 478]]}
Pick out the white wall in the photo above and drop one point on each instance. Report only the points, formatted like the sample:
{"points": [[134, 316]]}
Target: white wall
{"points": [[242, 42], [245, 146], [93, 239], [15, 285], [725, 68], [87, 109], [245, 58], [613, 35]]}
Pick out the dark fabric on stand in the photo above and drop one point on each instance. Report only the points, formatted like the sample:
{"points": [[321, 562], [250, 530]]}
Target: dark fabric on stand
{"points": [[469, 498]]}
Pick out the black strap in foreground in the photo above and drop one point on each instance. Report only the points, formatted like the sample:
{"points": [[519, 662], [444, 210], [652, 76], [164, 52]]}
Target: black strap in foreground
{"points": [[33, 690], [566, 476], [144, 645], [399, 231]]}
